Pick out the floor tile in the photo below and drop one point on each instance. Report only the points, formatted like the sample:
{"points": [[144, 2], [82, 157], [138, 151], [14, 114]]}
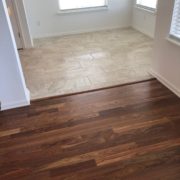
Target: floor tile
{"points": [[75, 63]]}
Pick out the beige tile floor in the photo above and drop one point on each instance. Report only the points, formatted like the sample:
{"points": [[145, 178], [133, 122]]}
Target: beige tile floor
{"points": [[77, 63]]}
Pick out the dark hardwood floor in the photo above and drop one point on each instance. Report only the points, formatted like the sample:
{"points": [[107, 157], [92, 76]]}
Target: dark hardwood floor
{"points": [[128, 132]]}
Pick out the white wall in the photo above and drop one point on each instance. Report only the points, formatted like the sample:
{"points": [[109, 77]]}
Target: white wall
{"points": [[45, 21], [144, 21], [166, 65], [13, 91]]}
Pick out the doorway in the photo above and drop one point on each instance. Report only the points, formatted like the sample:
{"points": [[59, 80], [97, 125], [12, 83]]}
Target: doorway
{"points": [[15, 23], [70, 63]]}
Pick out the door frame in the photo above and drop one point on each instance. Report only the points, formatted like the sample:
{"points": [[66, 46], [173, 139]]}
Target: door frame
{"points": [[15, 23], [19, 8]]}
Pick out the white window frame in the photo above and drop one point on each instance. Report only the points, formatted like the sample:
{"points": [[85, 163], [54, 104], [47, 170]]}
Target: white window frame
{"points": [[146, 8], [76, 10]]}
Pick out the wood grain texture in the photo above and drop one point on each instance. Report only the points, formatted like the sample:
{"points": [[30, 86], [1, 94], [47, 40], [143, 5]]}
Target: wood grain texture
{"points": [[127, 132]]}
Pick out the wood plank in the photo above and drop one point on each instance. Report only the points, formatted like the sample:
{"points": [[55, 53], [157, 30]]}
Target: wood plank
{"points": [[9, 132], [127, 132]]}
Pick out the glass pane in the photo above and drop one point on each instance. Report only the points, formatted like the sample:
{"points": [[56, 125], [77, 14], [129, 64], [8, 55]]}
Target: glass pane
{"points": [[76, 4], [175, 26], [148, 3]]}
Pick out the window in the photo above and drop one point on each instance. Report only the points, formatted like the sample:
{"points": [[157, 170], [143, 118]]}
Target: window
{"points": [[175, 26], [81, 4], [147, 4]]}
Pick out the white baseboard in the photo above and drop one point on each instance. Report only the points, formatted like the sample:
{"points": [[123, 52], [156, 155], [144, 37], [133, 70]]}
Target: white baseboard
{"points": [[79, 32], [17, 104], [28, 95], [142, 31], [165, 82]]}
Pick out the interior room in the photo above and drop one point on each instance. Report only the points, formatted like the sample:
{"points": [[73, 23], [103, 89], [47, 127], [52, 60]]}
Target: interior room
{"points": [[89, 89], [83, 46]]}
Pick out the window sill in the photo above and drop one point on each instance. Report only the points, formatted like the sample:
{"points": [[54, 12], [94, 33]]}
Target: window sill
{"points": [[72, 11], [173, 41], [146, 9]]}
